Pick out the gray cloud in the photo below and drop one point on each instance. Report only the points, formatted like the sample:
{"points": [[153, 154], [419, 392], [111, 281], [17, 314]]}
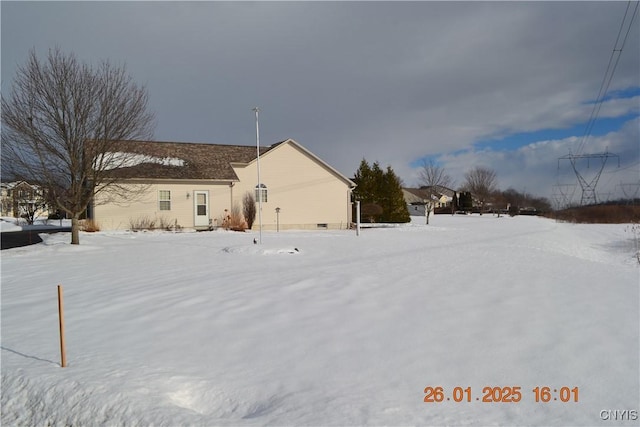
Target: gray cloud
{"points": [[537, 168], [387, 81]]}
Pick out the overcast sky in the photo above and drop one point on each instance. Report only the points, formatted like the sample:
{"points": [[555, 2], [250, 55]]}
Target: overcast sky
{"points": [[507, 85]]}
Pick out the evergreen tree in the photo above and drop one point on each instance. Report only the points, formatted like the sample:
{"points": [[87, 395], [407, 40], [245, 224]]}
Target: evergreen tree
{"points": [[395, 207], [381, 193], [465, 201], [454, 203], [363, 178]]}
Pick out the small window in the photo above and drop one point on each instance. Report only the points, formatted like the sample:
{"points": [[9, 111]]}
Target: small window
{"points": [[164, 199], [261, 191]]}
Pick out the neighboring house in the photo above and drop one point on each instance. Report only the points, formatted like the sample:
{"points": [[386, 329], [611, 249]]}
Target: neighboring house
{"points": [[417, 198], [20, 198], [195, 185]]}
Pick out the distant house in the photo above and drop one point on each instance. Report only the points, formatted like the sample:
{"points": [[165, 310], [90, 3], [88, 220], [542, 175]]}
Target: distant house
{"points": [[418, 198], [19, 198], [197, 185]]}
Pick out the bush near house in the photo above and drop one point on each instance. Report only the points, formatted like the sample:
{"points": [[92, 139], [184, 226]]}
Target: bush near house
{"points": [[233, 220], [89, 226], [249, 208], [147, 223]]}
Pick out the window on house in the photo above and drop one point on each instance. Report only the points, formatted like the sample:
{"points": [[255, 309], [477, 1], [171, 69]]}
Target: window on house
{"points": [[164, 200], [261, 191]]}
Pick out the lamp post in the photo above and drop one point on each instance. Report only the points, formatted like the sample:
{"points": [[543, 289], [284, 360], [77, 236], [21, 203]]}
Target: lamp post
{"points": [[259, 186], [278, 219]]}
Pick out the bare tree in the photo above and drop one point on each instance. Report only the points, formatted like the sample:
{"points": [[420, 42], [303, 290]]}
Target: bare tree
{"points": [[481, 182], [61, 125], [432, 177]]}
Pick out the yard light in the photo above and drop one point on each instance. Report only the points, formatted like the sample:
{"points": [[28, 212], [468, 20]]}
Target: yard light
{"points": [[277, 219]]}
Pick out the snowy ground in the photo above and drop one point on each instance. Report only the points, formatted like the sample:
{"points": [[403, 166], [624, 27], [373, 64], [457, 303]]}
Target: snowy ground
{"points": [[210, 329]]}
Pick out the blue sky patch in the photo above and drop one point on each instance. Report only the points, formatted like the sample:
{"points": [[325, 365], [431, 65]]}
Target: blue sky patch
{"points": [[619, 94], [518, 140]]}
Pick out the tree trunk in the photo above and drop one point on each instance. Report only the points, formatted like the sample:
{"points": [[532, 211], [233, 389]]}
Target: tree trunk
{"points": [[75, 229]]}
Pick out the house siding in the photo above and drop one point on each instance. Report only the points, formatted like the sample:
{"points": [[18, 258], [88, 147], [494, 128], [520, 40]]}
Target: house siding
{"points": [[306, 191], [309, 193], [121, 215]]}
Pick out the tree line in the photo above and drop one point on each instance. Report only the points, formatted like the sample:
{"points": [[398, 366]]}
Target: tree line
{"points": [[382, 200]]}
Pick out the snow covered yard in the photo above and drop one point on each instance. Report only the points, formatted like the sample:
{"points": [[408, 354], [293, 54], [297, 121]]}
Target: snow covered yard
{"points": [[210, 329]]}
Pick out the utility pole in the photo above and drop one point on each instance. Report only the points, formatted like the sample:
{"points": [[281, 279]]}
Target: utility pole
{"points": [[259, 186]]}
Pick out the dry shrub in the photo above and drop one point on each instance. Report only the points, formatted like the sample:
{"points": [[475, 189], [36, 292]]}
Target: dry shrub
{"points": [[89, 225], [142, 223], [600, 214], [164, 223], [148, 223], [233, 220]]}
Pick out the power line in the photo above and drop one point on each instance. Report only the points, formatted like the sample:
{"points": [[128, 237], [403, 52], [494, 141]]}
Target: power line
{"points": [[608, 76], [589, 185]]}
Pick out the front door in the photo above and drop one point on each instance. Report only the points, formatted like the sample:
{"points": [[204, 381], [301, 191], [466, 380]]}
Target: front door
{"points": [[201, 199]]}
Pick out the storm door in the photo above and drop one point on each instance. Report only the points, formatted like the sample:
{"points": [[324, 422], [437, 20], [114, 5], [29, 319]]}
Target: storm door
{"points": [[201, 199]]}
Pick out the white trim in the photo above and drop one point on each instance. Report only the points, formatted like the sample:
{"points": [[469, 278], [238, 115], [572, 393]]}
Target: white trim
{"points": [[201, 220], [160, 200], [310, 155]]}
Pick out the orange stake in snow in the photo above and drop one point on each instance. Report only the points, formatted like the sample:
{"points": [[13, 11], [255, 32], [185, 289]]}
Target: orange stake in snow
{"points": [[63, 353]]}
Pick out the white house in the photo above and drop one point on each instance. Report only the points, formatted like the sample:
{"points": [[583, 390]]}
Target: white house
{"points": [[195, 185]]}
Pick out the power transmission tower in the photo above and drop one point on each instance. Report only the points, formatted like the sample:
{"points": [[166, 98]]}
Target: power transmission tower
{"points": [[630, 191], [562, 195], [588, 185]]}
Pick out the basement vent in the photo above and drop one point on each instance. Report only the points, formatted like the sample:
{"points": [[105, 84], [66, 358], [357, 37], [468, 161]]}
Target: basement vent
{"points": [[324, 226]]}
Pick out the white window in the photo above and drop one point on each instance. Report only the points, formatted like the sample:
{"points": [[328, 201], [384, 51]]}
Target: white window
{"points": [[261, 191], [164, 200]]}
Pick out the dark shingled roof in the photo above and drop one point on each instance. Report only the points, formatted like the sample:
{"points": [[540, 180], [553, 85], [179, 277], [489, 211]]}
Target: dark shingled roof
{"points": [[425, 192], [198, 160]]}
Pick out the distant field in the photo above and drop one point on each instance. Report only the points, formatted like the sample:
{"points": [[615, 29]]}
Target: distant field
{"points": [[599, 214]]}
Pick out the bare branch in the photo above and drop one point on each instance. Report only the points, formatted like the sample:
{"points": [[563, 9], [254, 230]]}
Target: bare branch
{"points": [[433, 178], [432, 175], [482, 183]]}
